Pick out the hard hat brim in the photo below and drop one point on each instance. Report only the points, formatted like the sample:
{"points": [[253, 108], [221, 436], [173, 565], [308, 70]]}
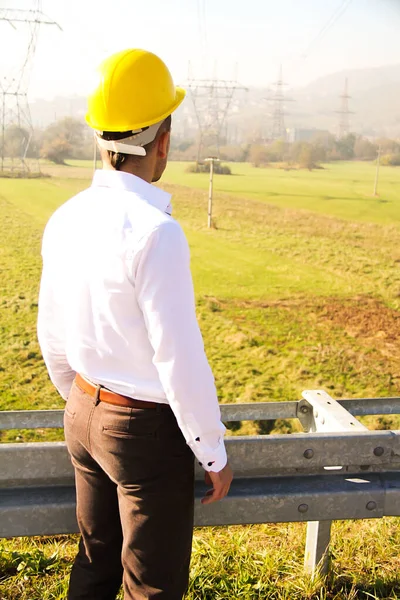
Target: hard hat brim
{"points": [[179, 97]]}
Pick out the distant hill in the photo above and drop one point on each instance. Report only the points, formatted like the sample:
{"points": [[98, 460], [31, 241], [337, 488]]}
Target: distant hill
{"points": [[361, 80], [375, 101]]}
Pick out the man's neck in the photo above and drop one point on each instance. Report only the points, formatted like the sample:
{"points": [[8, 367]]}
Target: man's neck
{"points": [[144, 171]]}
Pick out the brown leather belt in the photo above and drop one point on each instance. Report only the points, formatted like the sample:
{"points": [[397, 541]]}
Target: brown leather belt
{"points": [[105, 395]]}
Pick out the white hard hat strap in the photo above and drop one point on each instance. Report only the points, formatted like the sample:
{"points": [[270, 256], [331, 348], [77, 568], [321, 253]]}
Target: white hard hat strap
{"points": [[125, 146]]}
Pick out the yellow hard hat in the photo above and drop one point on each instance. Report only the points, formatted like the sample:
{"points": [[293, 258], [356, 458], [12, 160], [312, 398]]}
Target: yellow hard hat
{"points": [[134, 90]]}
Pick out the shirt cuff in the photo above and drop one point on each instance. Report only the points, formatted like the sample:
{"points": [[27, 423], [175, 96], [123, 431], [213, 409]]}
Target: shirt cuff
{"points": [[214, 461]]}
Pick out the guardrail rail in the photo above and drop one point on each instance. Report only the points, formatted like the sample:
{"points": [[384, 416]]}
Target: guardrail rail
{"points": [[336, 469]]}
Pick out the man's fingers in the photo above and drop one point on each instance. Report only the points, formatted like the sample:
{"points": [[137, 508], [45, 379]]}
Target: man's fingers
{"points": [[208, 499], [215, 494], [220, 483]]}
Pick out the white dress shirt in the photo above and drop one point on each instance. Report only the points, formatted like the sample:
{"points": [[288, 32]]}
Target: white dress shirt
{"points": [[116, 305]]}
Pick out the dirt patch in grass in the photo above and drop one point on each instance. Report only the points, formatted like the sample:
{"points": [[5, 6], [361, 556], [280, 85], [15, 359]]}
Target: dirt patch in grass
{"points": [[374, 327], [363, 318], [366, 318], [272, 351]]}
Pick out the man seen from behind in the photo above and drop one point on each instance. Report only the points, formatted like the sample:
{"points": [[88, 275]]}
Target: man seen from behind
{"points": [[119, 335]]}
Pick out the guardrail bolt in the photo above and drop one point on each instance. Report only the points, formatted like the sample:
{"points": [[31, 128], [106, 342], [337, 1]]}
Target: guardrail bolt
{"points": [[371, 505], [308, 453], [303, 508], [379, 451], [304, 409]]}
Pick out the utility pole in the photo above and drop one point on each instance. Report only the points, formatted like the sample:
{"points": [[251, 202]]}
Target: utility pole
{"points": [[212, 101], [278, 119], [14, 85], [344, 112], [378, 162], [211, 160]]}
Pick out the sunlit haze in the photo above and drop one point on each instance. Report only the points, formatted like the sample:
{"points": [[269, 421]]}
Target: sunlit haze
{"points": [[310, 38]]}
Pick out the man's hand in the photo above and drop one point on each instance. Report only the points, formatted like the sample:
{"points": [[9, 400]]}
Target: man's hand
{"points": [[221, 482]]}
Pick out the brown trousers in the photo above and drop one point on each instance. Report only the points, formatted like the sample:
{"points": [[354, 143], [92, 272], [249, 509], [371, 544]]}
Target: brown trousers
{"points": [[135, 494]]}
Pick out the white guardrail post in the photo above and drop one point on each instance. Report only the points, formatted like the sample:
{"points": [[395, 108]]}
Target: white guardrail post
{"points": [[321, 413]]}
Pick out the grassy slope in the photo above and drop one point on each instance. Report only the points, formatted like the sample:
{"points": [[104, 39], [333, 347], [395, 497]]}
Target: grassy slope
{"points": [[343, 190], [289, 297], [340, 189], [262, 280], [246, 563]]}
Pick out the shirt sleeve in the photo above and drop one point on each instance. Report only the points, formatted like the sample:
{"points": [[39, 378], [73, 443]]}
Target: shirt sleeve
{"points": [[165, 294], [51, 336]]}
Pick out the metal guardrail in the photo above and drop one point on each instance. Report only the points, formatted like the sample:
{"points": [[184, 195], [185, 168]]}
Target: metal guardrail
{"points": [[260, 411], [337, 470]]}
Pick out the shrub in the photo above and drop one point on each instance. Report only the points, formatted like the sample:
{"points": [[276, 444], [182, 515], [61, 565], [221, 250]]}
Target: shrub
{"points": [[259, 156], [203, 167], [391, 160], [56, 150]]}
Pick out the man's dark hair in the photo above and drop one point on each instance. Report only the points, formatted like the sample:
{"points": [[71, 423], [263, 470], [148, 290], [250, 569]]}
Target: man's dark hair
{"points": [[117, 158]]}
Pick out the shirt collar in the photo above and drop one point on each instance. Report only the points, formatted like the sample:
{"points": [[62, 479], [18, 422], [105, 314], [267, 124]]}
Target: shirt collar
{"points": [[120, 180]]}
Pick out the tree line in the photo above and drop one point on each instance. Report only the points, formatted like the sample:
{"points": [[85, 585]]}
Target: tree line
{"points": [[66, 138], [325, 148], [322, 148], [71, 138]]}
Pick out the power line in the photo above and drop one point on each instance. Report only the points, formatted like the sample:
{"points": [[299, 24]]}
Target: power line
{"points": [[199, 19], [202, 26], [339, 12], [205, 25], [333, 19]]}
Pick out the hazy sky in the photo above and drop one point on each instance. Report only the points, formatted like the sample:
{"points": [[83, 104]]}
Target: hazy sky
{"points": [[214, 35]]}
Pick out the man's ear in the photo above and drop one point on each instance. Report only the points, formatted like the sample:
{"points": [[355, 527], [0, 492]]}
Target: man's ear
{"points": [[163, 144], [105, 158]]}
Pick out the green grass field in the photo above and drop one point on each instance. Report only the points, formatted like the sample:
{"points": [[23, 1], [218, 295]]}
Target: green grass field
{"points": [[343, 190], [298, 287]]}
